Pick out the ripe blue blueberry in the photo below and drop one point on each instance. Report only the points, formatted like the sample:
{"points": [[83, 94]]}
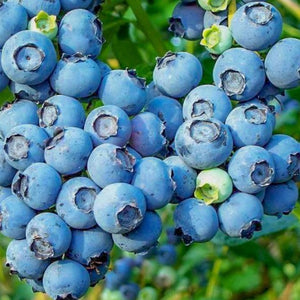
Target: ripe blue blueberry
{"points": [[28, 57], [205, 102], [48, 236], [22, 262], [113, 281], [133, 96], [240, 215], [252, 169], [203, 144], [195, 221], [103, 67], [148, 134], [242, 78], [119, 208], [123, 268], [68, 5], [68, 150], [7, 172], [30, 186], [75, 202], [4, 192], [176, 74], [66, 279], [3, 78], [129, 291], [24, 145], [108, 124], [109, 164], [143, 237], [152, 91], [159, 190], [166, 254], [15, 215]]}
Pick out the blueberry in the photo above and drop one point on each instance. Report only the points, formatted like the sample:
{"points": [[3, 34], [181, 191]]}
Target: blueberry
{"points": [[108, 124], [24, 145], [159, 190], [13, 19], [113, 281], [282, 64], [148, 134], [123, 268], [250, 124], [218, 18], [68, 5], [48, 236], [133, 96], [28, 57], [68, 150], [187, 21], [99, 271], [176, 74], [75, 202], [76, 76], [280, 198], [269, 91], [14, 217], [66, 279], [22, 262], [252, 169], [36, 285], [3, 78], [184, 177], [166, 254], [30, 186], [240, 215], [242, 78], [203, 144], [17, 113], [195, 221], [109, 164], [61, 111], [119, 208], [84, 36], [129, 291], [143, 237], [286, 154], [261, 22], [4, 193], [205, 102], [152, 91], [7, 172], [214, 6]]}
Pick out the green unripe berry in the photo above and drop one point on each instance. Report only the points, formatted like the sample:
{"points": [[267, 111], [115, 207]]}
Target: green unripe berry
{"points": [[148, 293], [214, 5]]}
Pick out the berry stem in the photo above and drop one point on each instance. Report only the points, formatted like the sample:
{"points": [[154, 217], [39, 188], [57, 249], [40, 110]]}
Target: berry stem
{"points": [[292, 7], [231, 11]]}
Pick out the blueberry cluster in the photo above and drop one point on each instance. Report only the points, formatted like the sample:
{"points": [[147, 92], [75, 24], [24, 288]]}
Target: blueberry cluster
{"points": [[72, 185]]}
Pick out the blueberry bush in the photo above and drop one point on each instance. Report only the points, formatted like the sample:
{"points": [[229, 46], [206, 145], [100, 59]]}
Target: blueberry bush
{"points": [[149, 149]]}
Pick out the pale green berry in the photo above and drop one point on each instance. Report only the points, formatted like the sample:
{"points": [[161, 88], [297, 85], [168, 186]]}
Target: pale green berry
{"points": [[166, 277], [214, 5], [217, 39], [111, 295], [45, 24], [148, 293], [213, 186]]}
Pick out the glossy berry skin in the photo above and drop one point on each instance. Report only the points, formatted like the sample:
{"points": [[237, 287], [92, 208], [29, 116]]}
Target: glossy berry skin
{"points": [[17, 113], [280, 198], [30, 186], [28, 57], [48, 236], [195, 221], [159, 191], [252, 169], [286, 154], [75, 202], [240, 215], [206, 101], [250, 124], [242, 78], [130, 291], [83, 37], [109, 164], [143, 237], [15, 215], [262, 22], [176, 74], [22, 262], [133, 96], [184, 177], [166, 254], [119, 208], [3, 78], [90, 247], [24, 145], [13, 19], [68, 5], [68, 150], [147, 136], [152, 91], [66, 279], [7, 172], [203, 144], [282, 63], [61, 111], [76, 76], [187, 21], [4, 193], [108, 124]]}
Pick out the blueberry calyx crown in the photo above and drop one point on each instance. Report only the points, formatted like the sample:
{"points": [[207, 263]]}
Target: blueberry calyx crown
{"points": [[16, 147], [58, 135], [294, 163], [259, 13], [261, 173], [124, 158], [41, 247], [74, 58], [140, 81], [176, 27], [187, 239], [248, 230], [162, 62], [97, 25], [66, 297], [129, 216], [203, 109], [232, 82], [84, 198], [105, 125], [48, 114], [204, 131], [20, 186], [256, 115], [98, 260]]}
